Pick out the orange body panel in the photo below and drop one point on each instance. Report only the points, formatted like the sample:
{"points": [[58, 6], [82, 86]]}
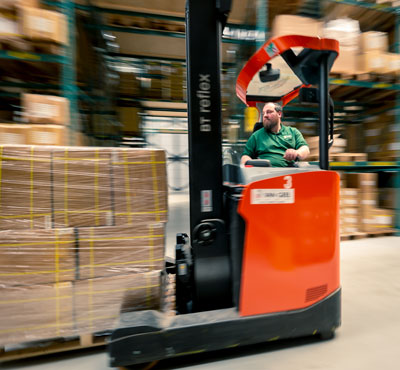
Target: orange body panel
{"points": [[291, 250]]}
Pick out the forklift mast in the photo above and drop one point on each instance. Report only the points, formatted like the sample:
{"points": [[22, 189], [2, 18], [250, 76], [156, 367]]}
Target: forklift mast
{"points": [[205, 20]]}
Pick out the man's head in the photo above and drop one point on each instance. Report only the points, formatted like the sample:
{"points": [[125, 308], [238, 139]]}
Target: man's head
{"points": [[272, 114]]}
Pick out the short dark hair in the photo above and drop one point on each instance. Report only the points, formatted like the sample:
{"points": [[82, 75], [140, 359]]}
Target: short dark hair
{"points": [[278, 107]]}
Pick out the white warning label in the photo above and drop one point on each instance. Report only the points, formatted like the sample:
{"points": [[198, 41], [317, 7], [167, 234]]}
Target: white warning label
{"points": [[272, 196]]}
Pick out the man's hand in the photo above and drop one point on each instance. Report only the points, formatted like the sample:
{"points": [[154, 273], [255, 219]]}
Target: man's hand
{"points": [[244, 159], [291, 155]]}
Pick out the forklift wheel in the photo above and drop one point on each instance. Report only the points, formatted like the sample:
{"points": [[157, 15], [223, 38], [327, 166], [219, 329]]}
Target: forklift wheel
{"points": [[326, 335]]}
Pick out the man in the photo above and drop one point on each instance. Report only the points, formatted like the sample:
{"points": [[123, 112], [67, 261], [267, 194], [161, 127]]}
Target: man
{"points": [[280, 144]]}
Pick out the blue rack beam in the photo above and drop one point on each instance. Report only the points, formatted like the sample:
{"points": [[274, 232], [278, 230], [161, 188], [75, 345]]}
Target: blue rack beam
{"points": [[381, 7], [32, 57], [365, 84]]}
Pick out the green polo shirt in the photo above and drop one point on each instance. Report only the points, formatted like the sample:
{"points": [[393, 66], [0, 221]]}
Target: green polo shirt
{"points": [[267, 145]]}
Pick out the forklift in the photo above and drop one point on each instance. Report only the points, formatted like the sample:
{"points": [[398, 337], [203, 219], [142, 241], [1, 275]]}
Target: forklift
{"points": [[244, 274]]}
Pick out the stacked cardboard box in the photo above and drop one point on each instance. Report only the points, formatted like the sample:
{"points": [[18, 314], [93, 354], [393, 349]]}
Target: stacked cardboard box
{"points": [[46, 109], [25, 192], [349, 210], [360, 210], [375, 55], [43, 25], [178, 82], [130, 119], [81, 186], [36, 312], [139, 186], [287, 24], [12, 4], [58, 261], [381, 137]]}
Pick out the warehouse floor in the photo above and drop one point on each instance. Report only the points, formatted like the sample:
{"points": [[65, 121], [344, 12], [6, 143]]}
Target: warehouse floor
{"points": [[367, 340]]}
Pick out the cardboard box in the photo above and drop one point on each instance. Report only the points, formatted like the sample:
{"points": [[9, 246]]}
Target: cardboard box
{"points": [[349, 197], [120, 250], [354, 135], [129, 84], [369, 200], [46, 109], [387, 198], [43, 25], [8, 28], [392, 64], [139, 186], [346, 31], [25, 193], [81, 187], [30, 257], [378, 220], [36, 312], [366, 182], [129, 117], [371, 61], [346, 62], [13, 133], [296, 25], [47, 135], [98, 302], [374, 40], [12, 4]]}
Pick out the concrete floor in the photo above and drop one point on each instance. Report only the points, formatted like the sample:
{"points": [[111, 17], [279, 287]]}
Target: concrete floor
{"points": [[368, 339]]}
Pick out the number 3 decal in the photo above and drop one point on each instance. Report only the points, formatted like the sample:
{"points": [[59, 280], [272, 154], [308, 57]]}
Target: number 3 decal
{"points": [[288, 184]]}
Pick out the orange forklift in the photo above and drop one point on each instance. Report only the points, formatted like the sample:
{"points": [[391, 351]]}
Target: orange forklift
{"points": [[261, 261]]}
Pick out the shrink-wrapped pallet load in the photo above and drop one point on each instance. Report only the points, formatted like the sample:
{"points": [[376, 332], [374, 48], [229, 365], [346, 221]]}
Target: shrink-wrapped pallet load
{"points": [[82, 238]]}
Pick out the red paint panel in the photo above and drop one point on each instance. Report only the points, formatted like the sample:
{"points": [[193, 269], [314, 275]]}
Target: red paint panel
{"points": [[291, 251]]}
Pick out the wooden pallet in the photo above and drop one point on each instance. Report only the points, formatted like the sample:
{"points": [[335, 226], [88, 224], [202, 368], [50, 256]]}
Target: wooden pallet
{"points": [[367, 234], [353, 236], [348, 157], [19, 44], [368, 77], [40, 348], [383, 232]]}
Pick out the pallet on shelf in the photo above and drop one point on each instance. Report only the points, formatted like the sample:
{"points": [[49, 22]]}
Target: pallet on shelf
{"points": [[352, 236], [348, 157]]}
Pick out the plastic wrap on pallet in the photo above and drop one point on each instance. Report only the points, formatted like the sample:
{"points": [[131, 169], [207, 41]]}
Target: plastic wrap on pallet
{"points": [[35, 312], [29, 257], [58, 187], [47, 311], [99, 301], [120, 250], [65, 282], [107, 256], [25, 187], [140, 186]]}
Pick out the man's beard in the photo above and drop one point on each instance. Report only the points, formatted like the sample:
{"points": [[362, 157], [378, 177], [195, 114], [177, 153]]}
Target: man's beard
{"points": [[270, 125]]}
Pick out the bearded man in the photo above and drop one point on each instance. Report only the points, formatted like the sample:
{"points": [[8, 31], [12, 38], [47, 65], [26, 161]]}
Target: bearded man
{"points": [[280, 144]]}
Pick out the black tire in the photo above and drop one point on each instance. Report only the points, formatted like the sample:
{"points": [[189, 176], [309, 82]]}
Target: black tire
{"points": [[326, 335]]}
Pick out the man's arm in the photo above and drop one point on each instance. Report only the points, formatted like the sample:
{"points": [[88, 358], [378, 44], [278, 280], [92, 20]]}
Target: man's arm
{"points": [[303, 152], [293, 154], [249, 150]]}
